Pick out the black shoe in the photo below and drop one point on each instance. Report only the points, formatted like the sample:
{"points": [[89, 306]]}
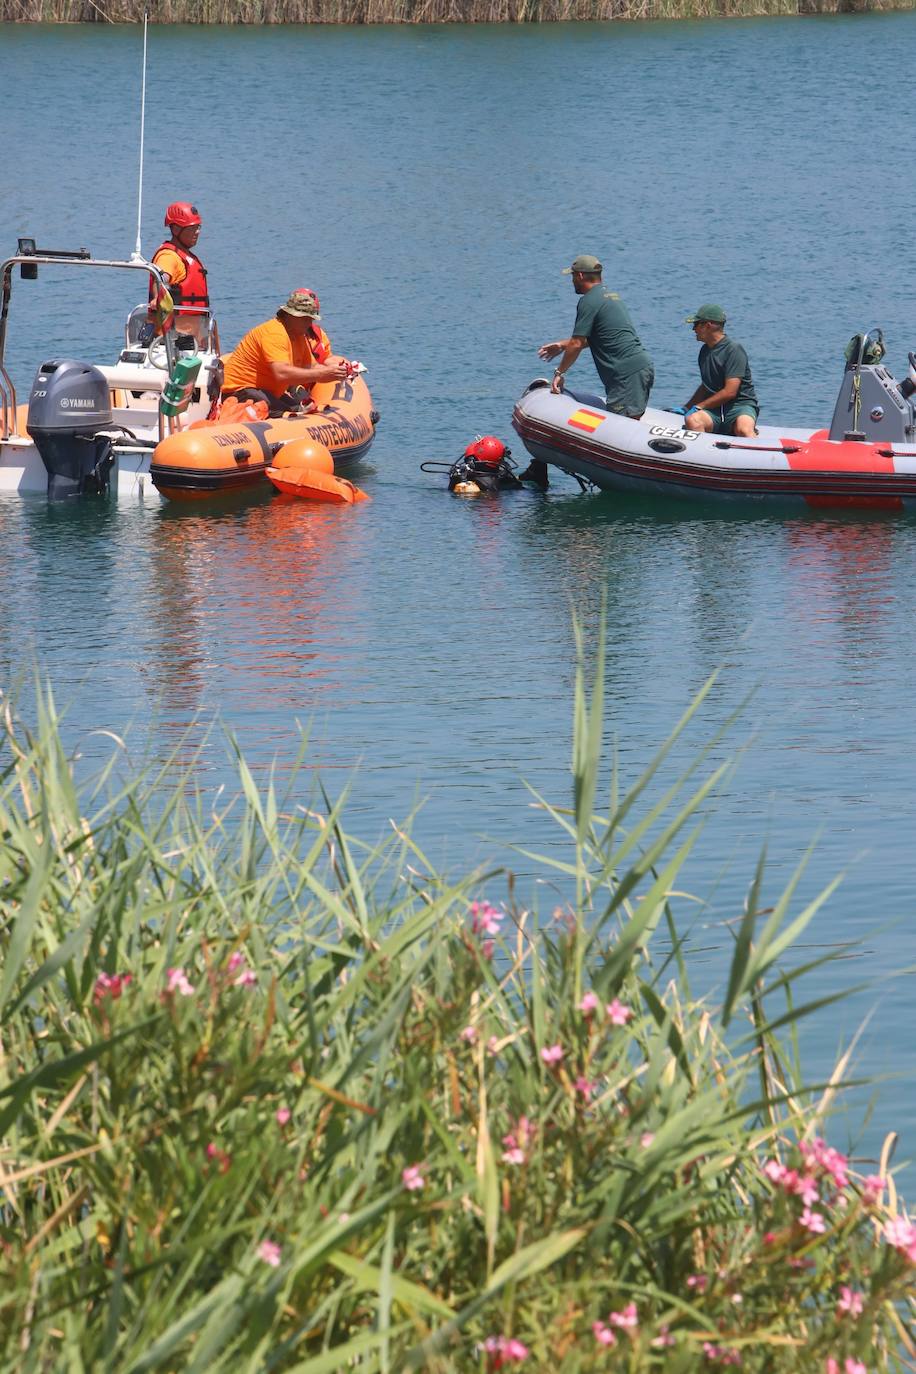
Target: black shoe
{"points": [[536, 472]]}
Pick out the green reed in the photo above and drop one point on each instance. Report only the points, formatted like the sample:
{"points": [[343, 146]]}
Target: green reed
{"points": [[413, 11], [272, 1099]]}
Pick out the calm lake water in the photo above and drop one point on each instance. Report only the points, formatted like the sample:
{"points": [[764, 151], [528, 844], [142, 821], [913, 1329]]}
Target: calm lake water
{"points": [[430, 183]]}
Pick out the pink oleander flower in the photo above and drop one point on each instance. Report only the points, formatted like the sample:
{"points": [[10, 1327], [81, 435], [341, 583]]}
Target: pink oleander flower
{"points": [[493, 1044], [485, 919], [412, 1178], [245, 979], [176, 981], [699, 1282], [269, 1252], [618, 1014], [813, 1222], [586, 1087], [663, 1339], [852, 1366], [873, 1189], [832, 1366], [110, 985], [627, 1320], [901, 1234], [503, 1350], [806, 1189], [774, 1171], [282, 1115], [589, 1004], [850, 1303], [720, 1354], [219, 1157], [236, 960], [469, 1034], [831, 1161], [603, 1334], [552, 1054], [646, 1139], [517, 1142]]}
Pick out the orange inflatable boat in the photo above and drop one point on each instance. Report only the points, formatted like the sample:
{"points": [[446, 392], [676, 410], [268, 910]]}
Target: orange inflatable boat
{"points": [[209, 459]]}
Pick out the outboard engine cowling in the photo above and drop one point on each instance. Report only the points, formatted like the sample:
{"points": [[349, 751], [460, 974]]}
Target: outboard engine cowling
{"points": [[872, 406], [69, 406]]}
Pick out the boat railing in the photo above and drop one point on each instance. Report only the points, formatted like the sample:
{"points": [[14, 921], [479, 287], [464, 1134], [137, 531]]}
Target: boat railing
{"points": [[28, 259], [199, 325]]}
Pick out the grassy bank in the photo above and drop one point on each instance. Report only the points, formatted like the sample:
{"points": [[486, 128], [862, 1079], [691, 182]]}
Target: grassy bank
{"points": [[270, 1100], [414, 11]]}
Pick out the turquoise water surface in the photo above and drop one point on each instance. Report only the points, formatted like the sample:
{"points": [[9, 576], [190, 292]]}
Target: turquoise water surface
{"points": [[430, 183]]}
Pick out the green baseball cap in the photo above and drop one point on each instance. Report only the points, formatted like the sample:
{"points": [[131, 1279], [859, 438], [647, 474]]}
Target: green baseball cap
{"points": [[583, 263], [707, 314]]}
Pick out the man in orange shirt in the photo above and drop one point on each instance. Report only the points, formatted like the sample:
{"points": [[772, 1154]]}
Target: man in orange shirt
{"points": [[279, 360]]}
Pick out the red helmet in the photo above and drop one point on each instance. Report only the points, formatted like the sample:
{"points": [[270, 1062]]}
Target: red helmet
{"points": [[487, 449], [182, 213]]}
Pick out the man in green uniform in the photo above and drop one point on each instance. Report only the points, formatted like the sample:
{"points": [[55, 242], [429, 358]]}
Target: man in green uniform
{"points": [[603, 323], [725, 400]]}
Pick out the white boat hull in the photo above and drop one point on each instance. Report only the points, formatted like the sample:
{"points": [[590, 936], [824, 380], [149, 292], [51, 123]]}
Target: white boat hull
{"points": [[23, 472]]}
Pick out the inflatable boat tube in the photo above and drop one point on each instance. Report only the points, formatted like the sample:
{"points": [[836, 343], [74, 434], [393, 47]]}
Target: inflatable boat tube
{"points": [[211, 459]]}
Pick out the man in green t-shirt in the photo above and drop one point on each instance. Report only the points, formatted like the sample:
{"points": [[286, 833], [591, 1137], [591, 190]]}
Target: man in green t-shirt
{"points": [[603, 324], [725, 400]]}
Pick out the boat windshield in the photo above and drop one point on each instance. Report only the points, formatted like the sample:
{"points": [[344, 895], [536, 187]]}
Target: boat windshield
{"points": [[192, 333]]}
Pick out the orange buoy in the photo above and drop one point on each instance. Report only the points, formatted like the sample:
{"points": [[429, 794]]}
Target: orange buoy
{"points": [[305, 453]]}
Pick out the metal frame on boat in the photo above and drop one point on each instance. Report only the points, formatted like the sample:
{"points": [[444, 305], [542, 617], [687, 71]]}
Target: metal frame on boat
{"points": [[135, 383]]}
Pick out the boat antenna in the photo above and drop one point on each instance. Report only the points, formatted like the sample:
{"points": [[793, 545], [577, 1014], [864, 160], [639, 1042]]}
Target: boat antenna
{"points": [[137, 253]]}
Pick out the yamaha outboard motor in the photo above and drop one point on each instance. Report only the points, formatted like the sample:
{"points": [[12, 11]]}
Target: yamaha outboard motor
{"points": [[69, 405], [872, 406]]}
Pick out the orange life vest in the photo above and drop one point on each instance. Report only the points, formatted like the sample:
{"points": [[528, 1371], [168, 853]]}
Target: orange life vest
{"points": [[190, 296]]}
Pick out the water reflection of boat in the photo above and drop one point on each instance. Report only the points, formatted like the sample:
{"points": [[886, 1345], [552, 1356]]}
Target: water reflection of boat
{"points": [[89, 428], [866, 458]]}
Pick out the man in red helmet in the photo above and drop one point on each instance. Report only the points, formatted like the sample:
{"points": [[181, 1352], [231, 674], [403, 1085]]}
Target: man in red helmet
{"points": [[184, 274]]}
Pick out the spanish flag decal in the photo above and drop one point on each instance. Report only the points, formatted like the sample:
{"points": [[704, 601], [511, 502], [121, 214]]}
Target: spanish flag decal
{"points": [[589, 420]]}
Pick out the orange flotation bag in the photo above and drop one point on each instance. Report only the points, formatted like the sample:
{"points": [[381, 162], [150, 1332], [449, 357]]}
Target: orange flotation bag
{"points": [[304, 453], [305, 469]]}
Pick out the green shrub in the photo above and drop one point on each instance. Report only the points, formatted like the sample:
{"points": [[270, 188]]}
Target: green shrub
{"points": [[273, 1100]]}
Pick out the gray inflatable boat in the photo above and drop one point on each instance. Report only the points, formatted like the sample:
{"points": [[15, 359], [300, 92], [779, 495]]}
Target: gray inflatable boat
{"points": [[867, 457]]}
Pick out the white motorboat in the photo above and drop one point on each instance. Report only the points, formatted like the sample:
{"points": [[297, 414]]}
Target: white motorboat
{"points": [[91, 428]]}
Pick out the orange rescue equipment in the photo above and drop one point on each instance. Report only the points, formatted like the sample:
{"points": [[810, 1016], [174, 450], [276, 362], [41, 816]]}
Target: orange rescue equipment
{"points": [[304, 468]]}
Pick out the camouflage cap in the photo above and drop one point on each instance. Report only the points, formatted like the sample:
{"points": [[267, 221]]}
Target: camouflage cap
{"points": [[303, 302]]}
